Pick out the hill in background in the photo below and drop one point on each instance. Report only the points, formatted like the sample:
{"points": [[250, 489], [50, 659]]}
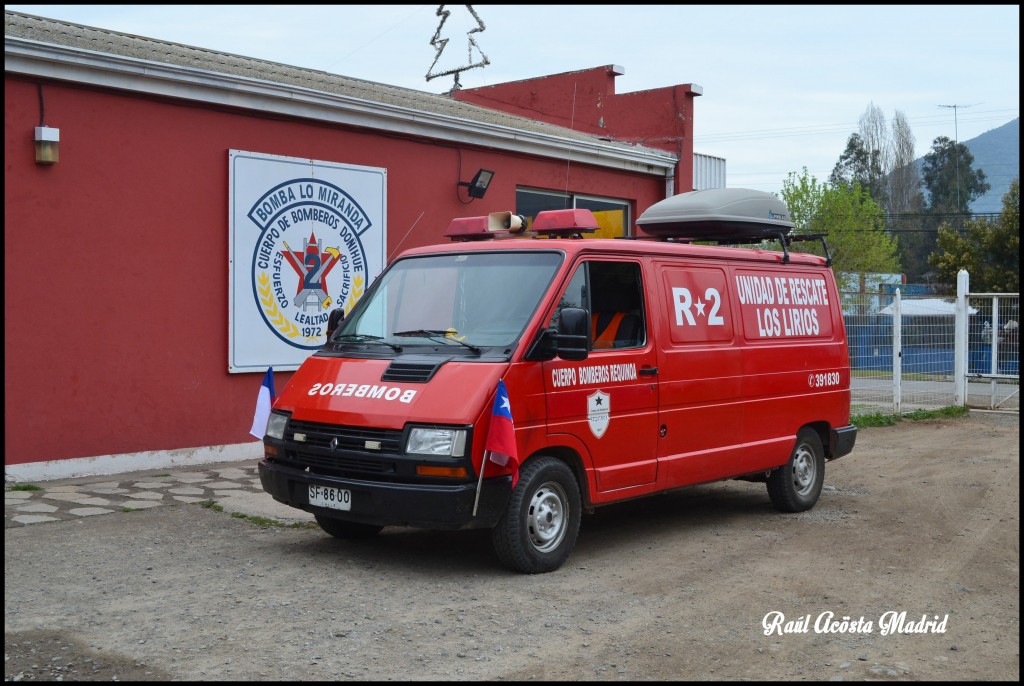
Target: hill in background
{"points": [[997, 153]]}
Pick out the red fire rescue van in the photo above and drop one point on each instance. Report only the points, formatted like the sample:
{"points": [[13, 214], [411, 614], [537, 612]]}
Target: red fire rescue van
{"points": [[622, 368]]}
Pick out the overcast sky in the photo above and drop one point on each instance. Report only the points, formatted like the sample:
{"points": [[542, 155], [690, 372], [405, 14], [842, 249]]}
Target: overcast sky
{"points": [[784, 86]]}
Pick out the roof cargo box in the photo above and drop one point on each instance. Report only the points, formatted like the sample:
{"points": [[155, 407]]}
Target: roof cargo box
{"points": [[718, 213]]}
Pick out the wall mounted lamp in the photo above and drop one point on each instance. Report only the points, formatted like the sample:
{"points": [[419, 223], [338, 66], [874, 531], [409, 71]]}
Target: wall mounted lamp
{"points": [[47, 145], [478, 186]]}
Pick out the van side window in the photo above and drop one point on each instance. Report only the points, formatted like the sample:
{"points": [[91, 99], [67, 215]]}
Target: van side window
{"points": [[612, 293]]}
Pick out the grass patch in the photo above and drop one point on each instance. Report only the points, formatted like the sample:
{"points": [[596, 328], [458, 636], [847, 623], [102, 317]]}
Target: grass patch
{"points": [[210, 505], [262, 522], [128, 509], [863, 421], [266, 522], [951, 412], [25, 487]]}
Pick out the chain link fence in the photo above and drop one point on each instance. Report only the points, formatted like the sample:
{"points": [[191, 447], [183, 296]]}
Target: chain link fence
{"points": [[908, 363]]}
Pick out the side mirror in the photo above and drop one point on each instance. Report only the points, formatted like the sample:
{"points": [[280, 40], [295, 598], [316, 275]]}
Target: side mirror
{"points": [[570, 341], [334, 320], [573, 339]]}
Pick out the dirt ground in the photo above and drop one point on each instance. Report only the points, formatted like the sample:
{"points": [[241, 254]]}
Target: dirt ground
{"points": [[921, 518]]}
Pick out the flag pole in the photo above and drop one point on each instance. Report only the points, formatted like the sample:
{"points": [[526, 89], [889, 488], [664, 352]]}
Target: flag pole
{"points": [[480, 481]]}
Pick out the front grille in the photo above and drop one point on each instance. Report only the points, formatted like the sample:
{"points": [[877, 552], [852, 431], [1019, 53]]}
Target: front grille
{"points": [[343, 450], [338, 463], [348, 438], [352, 457]]}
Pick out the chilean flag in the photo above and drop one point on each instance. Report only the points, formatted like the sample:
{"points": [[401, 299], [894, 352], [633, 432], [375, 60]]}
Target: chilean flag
{"points": [[264, 401], [501, 437]]}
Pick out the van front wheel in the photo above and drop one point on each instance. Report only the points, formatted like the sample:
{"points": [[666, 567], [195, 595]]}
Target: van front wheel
{"points": [[795, 486], [538, 529]]}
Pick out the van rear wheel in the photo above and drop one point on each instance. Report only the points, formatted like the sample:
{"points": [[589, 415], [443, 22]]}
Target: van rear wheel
{"points": [[538, 529], [339, 528], [795, 486]]}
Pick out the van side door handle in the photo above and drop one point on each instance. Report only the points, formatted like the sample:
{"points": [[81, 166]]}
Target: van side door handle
{"points": [[649, 371]]}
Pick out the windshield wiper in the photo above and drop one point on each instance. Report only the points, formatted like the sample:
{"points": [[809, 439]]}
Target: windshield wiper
{"points": [[434, 334], [356, 337]]}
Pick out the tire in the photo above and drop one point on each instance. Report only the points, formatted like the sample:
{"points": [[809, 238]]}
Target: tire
{"points": [[339, 528], [795, 486], [538, 529]]}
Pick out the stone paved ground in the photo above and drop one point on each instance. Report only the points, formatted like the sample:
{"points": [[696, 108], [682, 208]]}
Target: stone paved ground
{"points": [[234, 486]]}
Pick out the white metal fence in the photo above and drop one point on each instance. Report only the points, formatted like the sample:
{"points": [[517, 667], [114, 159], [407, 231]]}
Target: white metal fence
{"points": [[926, 352]]}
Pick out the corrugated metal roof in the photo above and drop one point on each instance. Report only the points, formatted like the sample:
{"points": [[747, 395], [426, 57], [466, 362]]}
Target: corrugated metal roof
{"points": [[104, 41]]}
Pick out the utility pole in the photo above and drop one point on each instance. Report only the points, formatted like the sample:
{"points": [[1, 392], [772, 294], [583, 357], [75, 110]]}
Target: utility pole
{"points": [[956, 148]]}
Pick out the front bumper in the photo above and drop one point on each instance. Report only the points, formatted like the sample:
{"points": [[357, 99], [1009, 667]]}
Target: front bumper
{"points": [[380, 503]]}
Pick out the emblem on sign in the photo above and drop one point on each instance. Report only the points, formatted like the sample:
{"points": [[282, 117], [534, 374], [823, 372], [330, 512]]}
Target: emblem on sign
{"points": [[598, 412], [309, 258]]}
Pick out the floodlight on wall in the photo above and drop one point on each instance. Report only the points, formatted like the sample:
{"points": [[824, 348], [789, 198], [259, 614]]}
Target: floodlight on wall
{"points": [[47, 145], [478, 186]]}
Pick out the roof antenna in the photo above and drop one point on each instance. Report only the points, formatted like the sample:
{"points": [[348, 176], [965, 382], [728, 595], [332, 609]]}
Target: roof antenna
{"points": [[440, 43], [568, 158]]}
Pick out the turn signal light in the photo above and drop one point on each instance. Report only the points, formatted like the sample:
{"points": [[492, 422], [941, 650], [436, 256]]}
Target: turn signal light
{"points": [[451, 472]]}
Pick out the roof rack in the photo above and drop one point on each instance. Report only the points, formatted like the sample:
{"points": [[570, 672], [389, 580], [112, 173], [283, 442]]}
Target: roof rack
{"points": [[732, 239]]}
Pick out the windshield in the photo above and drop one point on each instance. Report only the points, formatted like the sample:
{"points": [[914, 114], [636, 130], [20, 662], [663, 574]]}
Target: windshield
{"points": [[467, 300]]}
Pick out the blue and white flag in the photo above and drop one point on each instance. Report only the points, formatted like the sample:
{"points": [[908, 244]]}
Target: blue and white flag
{"points": [[263, 403]]}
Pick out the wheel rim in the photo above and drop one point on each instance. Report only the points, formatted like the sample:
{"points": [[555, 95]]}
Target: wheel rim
{"points": [[804, 470], [547, 517]]}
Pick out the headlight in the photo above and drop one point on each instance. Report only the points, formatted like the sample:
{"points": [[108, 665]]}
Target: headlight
{"points": [[276, 424], [436, 441]]}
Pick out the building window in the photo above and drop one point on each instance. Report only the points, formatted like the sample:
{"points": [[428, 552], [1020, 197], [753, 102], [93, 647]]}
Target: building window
{"points": [[612, 215]]}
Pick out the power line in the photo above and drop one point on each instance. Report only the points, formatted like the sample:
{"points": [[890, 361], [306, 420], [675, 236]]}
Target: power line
{"points": [[823, 129]]}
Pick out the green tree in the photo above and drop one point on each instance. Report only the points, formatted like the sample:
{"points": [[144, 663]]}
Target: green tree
{"points": [[988, 249], [853, 225], [869, 157], [948, 177], [857, 164], [951, 184]]}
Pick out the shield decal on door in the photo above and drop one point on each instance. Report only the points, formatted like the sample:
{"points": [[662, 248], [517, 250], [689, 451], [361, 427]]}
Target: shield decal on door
{"points": [[598, 412]]}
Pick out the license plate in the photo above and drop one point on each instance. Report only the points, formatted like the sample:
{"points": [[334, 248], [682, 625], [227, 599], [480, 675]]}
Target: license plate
{"points": [[334, 498]]}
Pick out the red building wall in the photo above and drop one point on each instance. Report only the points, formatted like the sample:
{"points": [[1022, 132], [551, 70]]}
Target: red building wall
{"points": [[116, 257], [586, 101]]}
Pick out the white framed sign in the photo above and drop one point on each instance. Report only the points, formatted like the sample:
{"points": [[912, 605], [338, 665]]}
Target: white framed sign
{"points": [[306, 237]]}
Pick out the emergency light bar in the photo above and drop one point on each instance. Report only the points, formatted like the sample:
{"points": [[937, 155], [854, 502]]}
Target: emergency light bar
{"points": [[565, 222], [468, 229], [551, 223]]}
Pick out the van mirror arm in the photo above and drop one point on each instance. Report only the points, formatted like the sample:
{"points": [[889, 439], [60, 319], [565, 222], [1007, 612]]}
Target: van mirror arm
{"points": [[543, 347]]}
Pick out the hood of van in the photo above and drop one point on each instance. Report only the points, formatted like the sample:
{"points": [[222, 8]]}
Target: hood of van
{"points": [[386, 394]]}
